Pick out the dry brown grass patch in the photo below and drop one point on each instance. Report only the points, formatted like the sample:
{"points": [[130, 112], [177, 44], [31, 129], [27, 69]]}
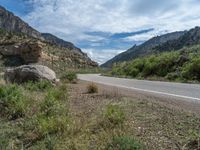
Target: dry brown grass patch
{"points": [[92, 88]]}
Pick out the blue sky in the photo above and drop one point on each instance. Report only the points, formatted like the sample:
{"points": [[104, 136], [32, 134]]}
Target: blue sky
{"points": [[104, 28]]}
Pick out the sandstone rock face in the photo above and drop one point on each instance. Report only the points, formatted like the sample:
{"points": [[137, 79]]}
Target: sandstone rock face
{"points": [[29, 52], [30, 73]]}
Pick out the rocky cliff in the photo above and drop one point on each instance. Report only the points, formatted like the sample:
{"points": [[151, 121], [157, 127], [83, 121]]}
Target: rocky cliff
{"points": [[18, 49], [20, 43], [12, 23], [28, 52]]}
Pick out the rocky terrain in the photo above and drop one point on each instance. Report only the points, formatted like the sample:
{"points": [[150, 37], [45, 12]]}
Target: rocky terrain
{"points": [[192, 37], [18, 49], [21, 44], [12, 23]]}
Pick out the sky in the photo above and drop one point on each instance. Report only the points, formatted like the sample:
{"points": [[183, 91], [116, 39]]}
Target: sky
{"points": [[105, 28]]}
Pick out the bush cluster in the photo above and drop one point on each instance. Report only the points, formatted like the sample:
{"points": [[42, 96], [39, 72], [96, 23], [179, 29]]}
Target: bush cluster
{"points": [[69, 76], [170, 65], [38, 115], [38, 86], [191, 70], [53, 112], [13, 104], [114, 114]]}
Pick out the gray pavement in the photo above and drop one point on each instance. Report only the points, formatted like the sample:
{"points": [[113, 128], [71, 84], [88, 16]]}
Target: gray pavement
{"points": [[167, 89]]}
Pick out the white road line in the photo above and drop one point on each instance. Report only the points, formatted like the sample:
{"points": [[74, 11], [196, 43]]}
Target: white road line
{"points": [[143, 90]]}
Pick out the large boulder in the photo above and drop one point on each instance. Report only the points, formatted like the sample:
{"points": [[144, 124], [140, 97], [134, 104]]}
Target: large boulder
{"points": [[26, 73]]}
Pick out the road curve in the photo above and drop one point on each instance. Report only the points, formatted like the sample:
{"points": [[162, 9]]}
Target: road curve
{"points": [[167, 89]]}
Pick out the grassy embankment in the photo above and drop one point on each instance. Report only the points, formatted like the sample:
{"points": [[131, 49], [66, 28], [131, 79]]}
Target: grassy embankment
{"points": [[65, 116]]}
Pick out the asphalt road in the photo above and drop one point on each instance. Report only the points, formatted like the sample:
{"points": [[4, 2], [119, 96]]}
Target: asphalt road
{"points": [[166, 89]]}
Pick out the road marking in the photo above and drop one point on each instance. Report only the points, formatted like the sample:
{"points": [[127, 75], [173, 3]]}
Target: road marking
{"points": [[149, 91]]}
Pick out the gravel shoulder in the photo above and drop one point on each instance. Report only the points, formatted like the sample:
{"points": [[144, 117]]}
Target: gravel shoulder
{"points": [[158, 122], [172, 102]]}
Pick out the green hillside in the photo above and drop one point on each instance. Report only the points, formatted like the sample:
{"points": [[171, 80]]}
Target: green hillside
{"points": [[168, 42], [182, 65]]}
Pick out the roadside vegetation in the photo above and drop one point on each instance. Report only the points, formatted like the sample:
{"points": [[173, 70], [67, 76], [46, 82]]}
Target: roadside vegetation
{"points": [[70, 77], [32, 114], [181, 66], [38, 115]]}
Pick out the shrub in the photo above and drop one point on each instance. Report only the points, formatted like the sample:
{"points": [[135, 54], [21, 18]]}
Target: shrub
{"points": [[135, 67], [49, 125], [92, 88], [12, 102], [70, 76], [125, 143], [52, 104], [53, 115], [49, 105], [114, 114], [38, 86], [133, 72], [118, 69], [154, 65], [173, 76], [191, 70]]}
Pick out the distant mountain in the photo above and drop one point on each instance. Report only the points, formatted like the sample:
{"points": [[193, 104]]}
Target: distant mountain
{"points": [[13, 24], [144, 49]]}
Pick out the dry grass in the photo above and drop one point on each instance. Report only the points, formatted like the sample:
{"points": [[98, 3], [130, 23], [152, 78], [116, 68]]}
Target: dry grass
{"points": [[92, 88]]}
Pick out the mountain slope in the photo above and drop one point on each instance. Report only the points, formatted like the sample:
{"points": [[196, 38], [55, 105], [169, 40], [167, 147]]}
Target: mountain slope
{"points": [[192, 37], [143, 49], [15, 32], [17, 49], [12, 23], [60, 42]]}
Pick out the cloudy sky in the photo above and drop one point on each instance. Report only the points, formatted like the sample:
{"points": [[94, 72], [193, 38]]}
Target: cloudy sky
{"points": [[104, 28]]}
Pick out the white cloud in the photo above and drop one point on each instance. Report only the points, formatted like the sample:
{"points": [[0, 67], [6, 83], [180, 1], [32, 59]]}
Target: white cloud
{"points": [[70, 19], [102, 56]]}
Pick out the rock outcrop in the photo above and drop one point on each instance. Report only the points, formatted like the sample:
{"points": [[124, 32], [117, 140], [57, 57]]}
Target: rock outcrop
{"points": [[15, 30], [30, 73], [29, 52]]}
